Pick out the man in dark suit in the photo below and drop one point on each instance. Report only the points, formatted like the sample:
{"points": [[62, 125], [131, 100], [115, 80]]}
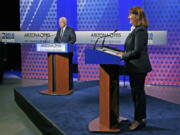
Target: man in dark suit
{"points": [[66, 35]]}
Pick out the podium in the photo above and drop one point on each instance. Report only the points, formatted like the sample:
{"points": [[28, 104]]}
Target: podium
{"points": [[59, 67], [108, 119]]}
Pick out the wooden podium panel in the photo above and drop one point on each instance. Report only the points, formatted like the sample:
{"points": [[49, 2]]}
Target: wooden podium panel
{"points": [[108, 120], [59, 75]]}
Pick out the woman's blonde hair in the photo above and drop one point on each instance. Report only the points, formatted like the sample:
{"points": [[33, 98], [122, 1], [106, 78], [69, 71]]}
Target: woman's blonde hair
{"points": [[138, 11]]}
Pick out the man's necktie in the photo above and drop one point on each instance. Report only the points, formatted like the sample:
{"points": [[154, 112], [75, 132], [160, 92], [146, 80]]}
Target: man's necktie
{"points": [[61, 34]]}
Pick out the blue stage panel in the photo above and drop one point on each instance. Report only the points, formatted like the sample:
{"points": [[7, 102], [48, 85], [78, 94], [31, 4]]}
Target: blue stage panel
{"points": [[71, 114]]}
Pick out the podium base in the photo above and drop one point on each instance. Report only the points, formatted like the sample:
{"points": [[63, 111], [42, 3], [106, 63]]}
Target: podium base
{"points": [[94, 126], [56, 93]]}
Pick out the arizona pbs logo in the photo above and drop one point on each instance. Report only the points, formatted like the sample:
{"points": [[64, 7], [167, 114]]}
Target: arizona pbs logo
{"points": [[37, 37], [8, 37]]}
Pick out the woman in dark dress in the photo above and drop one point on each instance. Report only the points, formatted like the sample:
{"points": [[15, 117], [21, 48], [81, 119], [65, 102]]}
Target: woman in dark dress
{"points": [[137, 64]]}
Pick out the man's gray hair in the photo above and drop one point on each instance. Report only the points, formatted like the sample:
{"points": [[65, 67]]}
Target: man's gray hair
{"points": [[64, 18]]}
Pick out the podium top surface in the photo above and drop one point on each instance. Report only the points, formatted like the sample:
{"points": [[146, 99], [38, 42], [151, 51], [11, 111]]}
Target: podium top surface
{"points": [[108, 50], [102, 55]]}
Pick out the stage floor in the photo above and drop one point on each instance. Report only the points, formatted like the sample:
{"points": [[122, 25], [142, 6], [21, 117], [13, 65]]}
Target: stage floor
{"points": [[71, 114]]}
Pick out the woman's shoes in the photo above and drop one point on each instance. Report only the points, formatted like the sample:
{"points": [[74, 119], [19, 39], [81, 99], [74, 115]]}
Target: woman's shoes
{"points": [[136, 125]]}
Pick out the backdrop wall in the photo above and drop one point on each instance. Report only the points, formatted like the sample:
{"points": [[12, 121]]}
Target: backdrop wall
{"points": [[103, 15]]}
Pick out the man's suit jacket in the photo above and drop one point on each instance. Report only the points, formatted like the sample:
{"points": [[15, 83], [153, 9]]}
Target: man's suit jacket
{"points": [[69, 36], [136, 51]]}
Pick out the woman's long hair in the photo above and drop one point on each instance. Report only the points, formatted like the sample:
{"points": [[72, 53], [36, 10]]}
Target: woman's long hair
{"points": [[138, 11]]}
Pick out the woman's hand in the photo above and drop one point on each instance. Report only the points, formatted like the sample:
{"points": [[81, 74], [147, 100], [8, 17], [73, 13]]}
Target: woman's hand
{"points": [[120, 54]]}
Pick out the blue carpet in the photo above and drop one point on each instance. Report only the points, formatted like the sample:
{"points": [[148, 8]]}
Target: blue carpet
{"points": [[72, 113]]}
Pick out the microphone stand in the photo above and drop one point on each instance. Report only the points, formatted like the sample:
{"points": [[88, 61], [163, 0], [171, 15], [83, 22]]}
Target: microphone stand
{"points": [[106, 37], [94, 47]]}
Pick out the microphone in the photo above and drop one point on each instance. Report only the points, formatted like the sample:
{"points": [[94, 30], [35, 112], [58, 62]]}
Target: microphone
{"points": [[108, 36], [94, 47]]}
